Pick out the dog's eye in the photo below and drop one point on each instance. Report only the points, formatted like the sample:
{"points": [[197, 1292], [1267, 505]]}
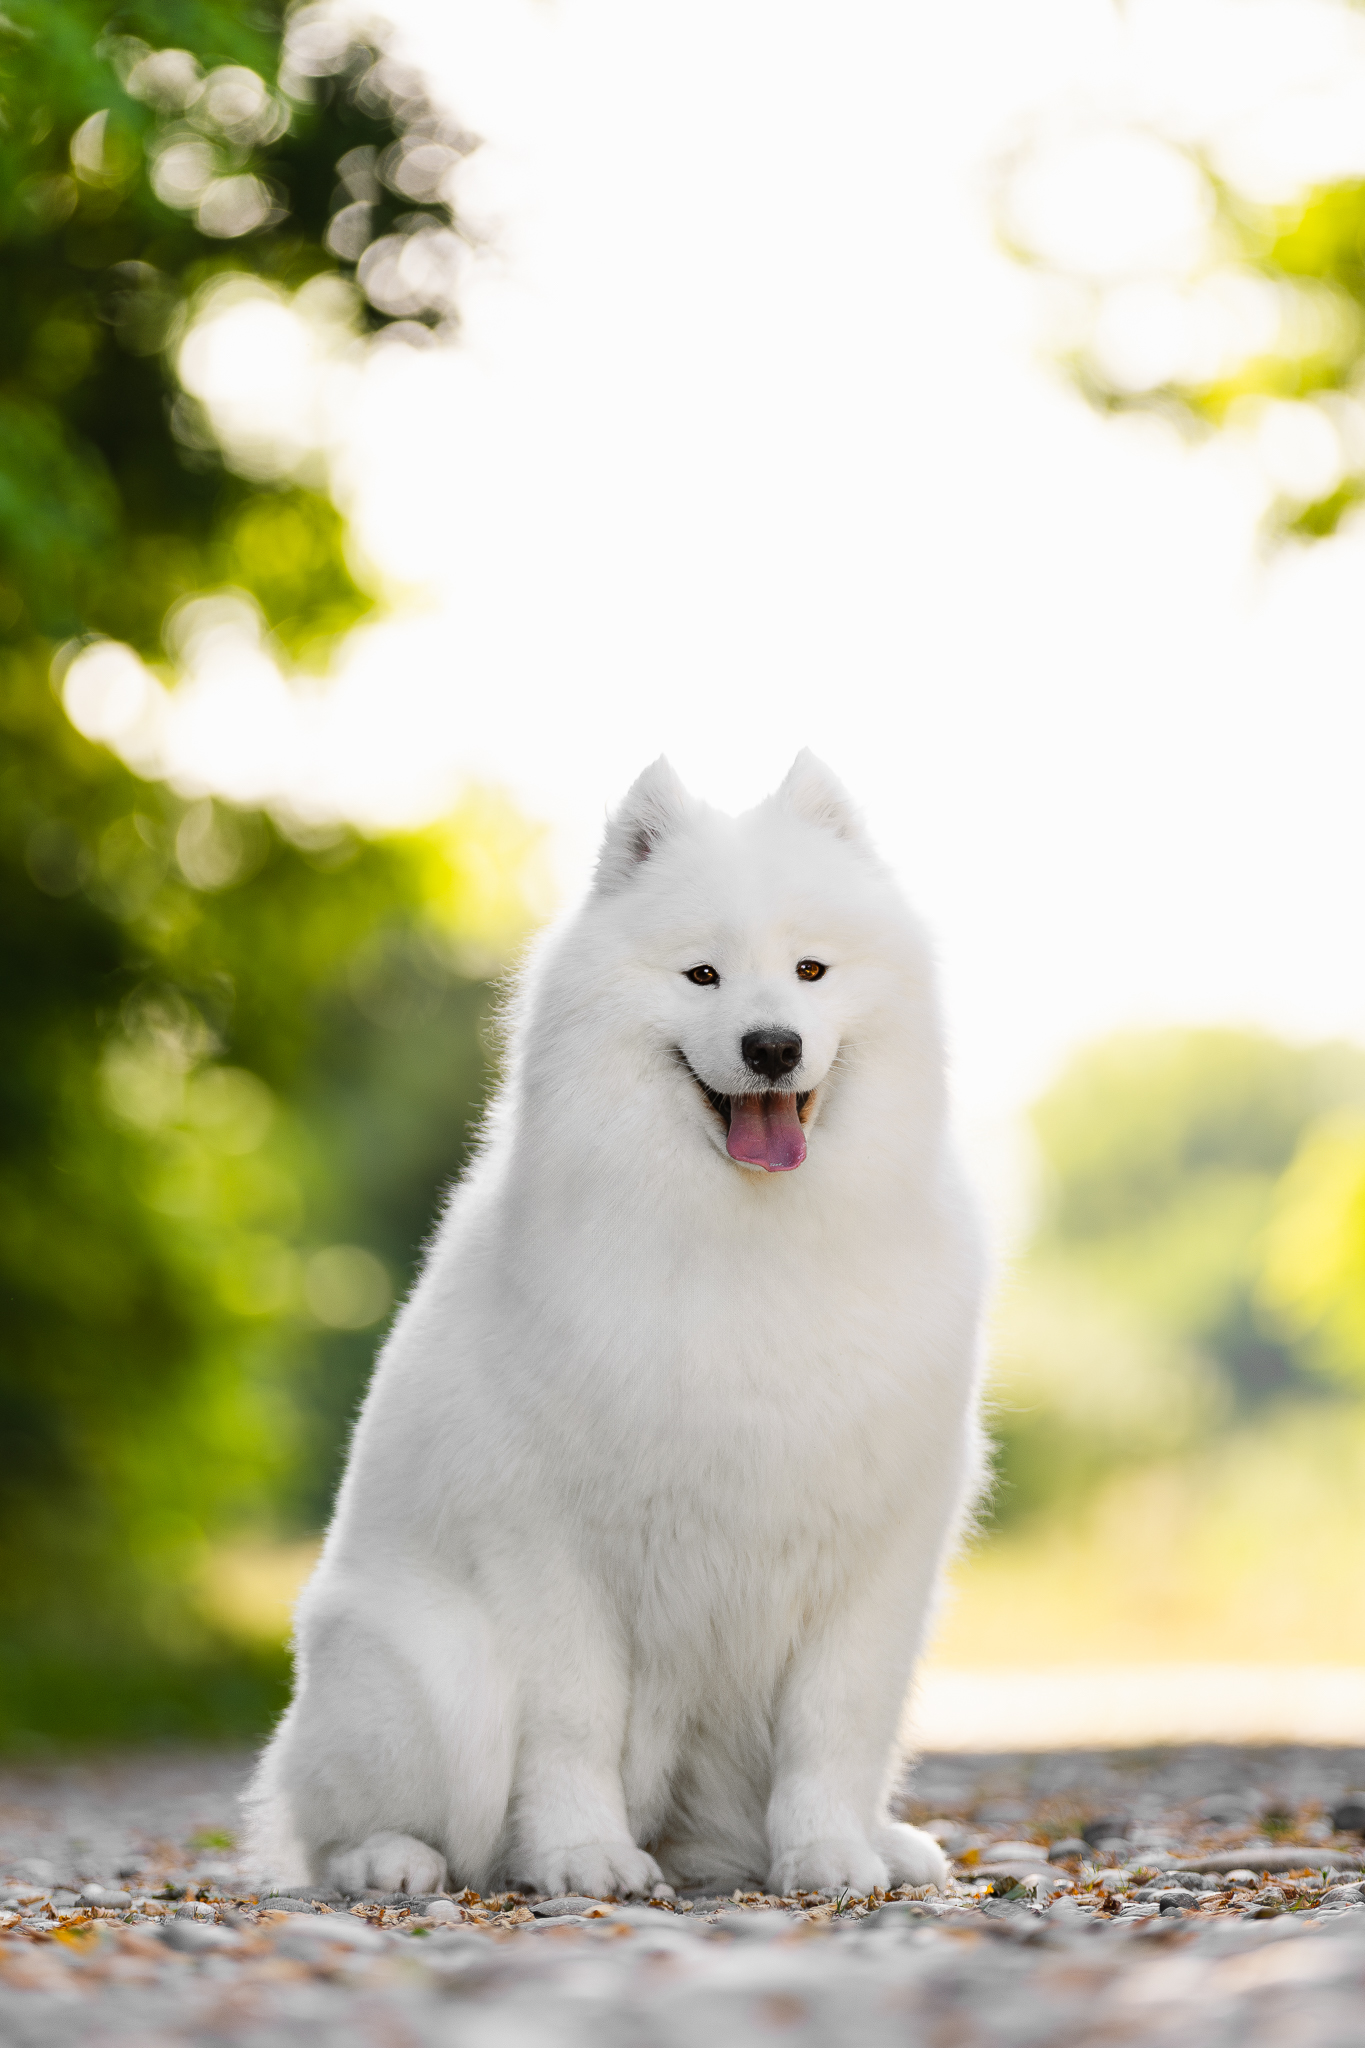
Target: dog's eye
{"points": [[811, 970], [707, 977]]}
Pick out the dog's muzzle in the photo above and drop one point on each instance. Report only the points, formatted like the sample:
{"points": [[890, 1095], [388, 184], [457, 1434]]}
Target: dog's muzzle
{"points": [[760, 1130]]}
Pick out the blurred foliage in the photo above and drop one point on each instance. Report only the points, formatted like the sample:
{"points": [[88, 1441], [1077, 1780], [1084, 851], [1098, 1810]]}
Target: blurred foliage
{"points": [[1201, 1255], [1263, 336], [1247, 1547], [1313, 1277], [239, 1056], [144, 156], [229, 1112]]}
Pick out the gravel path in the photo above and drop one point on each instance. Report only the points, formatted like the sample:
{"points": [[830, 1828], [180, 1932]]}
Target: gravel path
{"points": [[1215, 1901]]}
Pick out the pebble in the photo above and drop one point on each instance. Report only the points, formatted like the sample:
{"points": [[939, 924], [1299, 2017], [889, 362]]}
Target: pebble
{"points": [[1109, 1827], [548, 1909], [762, 1923], [197, 1937], [1227, 1809], [1284, 1856], [444, 1910], [308, 1938]]}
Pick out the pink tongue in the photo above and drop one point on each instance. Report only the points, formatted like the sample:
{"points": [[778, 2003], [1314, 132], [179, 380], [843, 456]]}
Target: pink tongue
{"points": [[765, 1131]]}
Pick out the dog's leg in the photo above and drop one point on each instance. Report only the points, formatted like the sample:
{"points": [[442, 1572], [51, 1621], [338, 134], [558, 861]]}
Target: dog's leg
{"points": [[570, 1829], [394, 1764], [835, 1739]]}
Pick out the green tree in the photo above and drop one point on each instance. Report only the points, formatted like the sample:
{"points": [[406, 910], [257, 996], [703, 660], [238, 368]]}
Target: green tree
{"points": [[238, 1057], [143, 160], [1141, 1319]]}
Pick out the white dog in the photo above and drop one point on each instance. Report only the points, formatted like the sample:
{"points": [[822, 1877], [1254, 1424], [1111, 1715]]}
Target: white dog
{"points": [[650, 1497]]}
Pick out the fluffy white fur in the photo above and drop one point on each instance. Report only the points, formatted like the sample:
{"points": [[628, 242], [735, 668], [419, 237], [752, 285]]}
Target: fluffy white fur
{"points": [[651, 1493]]}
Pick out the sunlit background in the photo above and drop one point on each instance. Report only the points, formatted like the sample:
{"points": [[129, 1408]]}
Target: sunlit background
{"points": [[974, 394]]}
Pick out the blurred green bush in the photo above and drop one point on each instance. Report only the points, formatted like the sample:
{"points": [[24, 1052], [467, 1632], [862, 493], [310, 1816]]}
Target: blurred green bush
{"points": [[228, 1115], [239, 1055], [1199, 1262]]}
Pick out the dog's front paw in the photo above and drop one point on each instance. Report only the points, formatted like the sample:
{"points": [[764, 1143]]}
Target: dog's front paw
{"points": [[912, 1857], [596, 1870], [388, 1863], [842, 1863]]}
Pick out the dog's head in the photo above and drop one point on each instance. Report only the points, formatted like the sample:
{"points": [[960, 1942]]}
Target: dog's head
{"points": [[759, 952]]}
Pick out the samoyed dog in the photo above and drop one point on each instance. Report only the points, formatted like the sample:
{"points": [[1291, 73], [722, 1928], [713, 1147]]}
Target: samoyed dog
{"points": [[650, 1497]]}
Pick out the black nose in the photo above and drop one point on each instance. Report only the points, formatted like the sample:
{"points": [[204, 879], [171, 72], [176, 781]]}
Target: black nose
{"points": [[773, 1052]]}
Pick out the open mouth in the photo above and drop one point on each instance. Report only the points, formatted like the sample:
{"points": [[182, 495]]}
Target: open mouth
{"points": [[760, 1130]]}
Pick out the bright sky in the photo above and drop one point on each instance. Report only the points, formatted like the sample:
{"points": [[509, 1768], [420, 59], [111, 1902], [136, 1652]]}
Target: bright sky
{"points": [[749, 445]]}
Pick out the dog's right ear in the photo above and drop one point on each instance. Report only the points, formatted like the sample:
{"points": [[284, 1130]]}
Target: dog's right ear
{"points": [[818, 796], [654, 805]]}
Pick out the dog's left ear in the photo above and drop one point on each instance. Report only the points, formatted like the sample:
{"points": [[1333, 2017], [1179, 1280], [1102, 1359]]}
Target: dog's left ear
{"points": [[818, 796], [655, 805]]}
